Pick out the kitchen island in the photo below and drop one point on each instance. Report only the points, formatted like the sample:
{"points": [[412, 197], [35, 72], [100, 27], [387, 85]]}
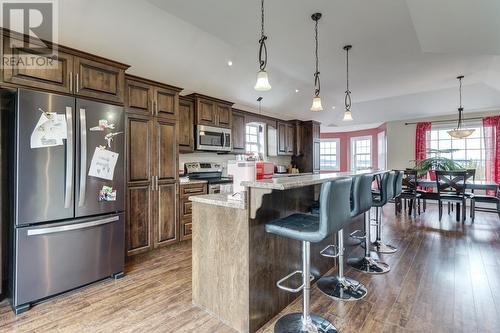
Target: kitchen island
{"points": [[236, 264]]}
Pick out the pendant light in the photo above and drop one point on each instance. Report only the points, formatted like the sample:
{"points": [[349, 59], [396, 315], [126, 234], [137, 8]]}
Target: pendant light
{"points": [[347, 98], [458, 132], [262, 83], [316, 104]]}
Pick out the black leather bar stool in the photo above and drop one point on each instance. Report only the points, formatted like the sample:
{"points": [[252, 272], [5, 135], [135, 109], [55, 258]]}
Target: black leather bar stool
{"points": [[362, 203], [308, 228], [379, 201], [341, 287]]}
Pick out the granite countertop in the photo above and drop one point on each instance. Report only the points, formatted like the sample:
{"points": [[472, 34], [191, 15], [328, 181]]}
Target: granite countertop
{"points": [[219, 199], [286, 183], [281, 175]]}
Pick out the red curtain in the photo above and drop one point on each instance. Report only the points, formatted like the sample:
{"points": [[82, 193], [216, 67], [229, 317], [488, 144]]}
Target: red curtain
{"points": [[422, 137], [491, 127]]}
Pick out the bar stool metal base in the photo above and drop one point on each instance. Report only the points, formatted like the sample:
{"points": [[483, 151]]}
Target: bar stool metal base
{"points": [[380, 247], [368, 265], [350, 290], [293, 323]]}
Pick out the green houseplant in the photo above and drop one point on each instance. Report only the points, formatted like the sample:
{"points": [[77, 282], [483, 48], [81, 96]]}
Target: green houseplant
{"points": [[437, 162]]}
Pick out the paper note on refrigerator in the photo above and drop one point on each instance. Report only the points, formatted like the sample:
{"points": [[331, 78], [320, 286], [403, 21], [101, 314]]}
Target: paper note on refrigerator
{"points": [[49, 131], [103, 164]]}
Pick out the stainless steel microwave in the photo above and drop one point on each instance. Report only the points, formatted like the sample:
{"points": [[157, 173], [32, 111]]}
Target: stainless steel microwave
{"points": [[213, 138]]}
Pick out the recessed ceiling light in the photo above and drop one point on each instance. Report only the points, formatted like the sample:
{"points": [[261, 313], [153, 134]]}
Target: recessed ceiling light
{"points": [[296, 90], [333, 107], [229, 63]]}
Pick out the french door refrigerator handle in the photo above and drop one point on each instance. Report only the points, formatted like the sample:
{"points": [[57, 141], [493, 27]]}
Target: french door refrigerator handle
{"points": [[83, 157], [51, 230], [68, 194]]}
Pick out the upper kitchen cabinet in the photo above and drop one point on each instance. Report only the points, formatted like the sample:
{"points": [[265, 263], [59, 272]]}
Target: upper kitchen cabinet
{"points": [[212, 112], [185, 125], [67, 71], [286, 134], [239, 131], [99, 80], [148, 97]]}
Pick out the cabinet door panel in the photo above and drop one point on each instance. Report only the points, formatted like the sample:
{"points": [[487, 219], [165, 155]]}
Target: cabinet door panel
{"points": [[55, 76], [166, 150], [167, 102], [97, 80], [290, 135], [206, 113], [316, 155], [139, 138], [282, 148], [185, 126], [239, 131], [138, 227], [224, 115], [138, 97], [166, 214]]}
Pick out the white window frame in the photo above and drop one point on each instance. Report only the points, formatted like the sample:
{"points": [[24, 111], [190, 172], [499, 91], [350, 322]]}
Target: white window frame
{"points": [[337, 154], [353, 151], [381, 150], [448, 126], [259, 143]]}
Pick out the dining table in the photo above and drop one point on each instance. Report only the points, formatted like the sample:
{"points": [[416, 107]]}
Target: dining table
{"points": [[471, 185]]}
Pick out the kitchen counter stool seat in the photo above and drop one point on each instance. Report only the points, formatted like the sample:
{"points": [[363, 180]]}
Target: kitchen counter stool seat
{"points": [[308, 228]]}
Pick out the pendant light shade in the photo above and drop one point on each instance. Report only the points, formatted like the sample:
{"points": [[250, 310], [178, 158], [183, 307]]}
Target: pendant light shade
{"points": [[262, 83], [347, 98], [316, 104], [459, 132], [347, 116]]}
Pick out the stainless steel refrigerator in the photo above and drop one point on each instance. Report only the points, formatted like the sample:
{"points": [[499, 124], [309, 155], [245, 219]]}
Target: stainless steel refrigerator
{"points": [[68, 226]]}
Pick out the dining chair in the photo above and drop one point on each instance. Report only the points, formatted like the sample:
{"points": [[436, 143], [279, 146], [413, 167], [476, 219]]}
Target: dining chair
{"points": [[451, 188], [489, 199], [410, 191]]}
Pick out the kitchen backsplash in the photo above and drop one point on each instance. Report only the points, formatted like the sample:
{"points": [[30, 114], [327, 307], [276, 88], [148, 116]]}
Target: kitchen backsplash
{"points": [[223, 158]]}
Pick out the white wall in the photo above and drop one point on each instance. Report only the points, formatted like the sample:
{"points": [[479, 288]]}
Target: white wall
{"points": [[401, 138]]}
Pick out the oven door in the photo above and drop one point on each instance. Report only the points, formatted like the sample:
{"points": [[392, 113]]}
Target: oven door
{"points": [[213, 138]]}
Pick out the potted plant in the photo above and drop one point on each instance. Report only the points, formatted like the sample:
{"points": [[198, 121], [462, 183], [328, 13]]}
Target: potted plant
{"points": [[437, 162]]}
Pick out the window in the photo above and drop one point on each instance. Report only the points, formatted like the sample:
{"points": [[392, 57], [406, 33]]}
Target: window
{"points": [[329, 154], [382, 150], [361, 153], [468, 152], [254, 139]]}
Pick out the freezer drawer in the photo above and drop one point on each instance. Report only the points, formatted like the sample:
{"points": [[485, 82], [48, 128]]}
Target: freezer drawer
{"points": [[55, 258]]}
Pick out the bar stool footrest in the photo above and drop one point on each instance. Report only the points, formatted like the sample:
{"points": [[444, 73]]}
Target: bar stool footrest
{"points": [[358, 234], [280, 283], [331, 251]]}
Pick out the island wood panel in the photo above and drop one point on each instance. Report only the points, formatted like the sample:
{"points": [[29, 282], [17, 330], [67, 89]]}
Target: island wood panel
{"points": [[272, 257], [220, 263]]}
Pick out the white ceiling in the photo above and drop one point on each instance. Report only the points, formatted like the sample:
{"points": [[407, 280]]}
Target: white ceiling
{"points": [[405, 56]]}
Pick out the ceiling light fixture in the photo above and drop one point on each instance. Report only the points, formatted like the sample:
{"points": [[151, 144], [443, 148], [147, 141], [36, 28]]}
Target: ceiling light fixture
{"points": [[458, 132], [229, 63], [296, 90], [347, 98], [316, 104], [262, 83]]}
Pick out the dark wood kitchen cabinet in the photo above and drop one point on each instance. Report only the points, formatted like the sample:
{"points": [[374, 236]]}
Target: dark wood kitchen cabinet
{"points": [[239, 131], [148, 97], [298, 147], [212, 111], [152, 175], [286, 134], [309, 160], [186, 122], [67, 71], [185, 214]]}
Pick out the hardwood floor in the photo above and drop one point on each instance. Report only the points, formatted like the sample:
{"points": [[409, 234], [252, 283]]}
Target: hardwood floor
{"points": [[444, 278]]}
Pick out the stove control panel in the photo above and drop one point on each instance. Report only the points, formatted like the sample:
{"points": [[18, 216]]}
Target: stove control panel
{"points": [[196, 167]]}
